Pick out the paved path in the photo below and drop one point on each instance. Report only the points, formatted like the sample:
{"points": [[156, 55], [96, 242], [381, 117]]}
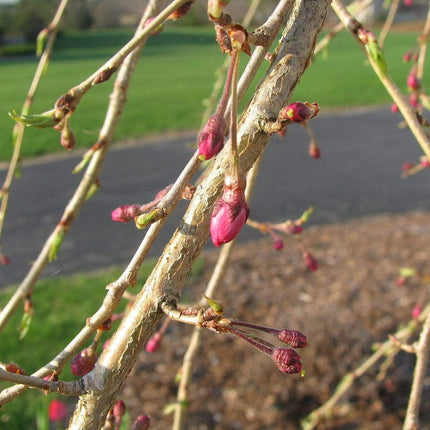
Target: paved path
{"points": [[358, 175]]}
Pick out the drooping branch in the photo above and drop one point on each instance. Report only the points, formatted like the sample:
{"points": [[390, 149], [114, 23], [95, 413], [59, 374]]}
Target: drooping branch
{"points": [[18, 134], [377, 62], [173, 267]]}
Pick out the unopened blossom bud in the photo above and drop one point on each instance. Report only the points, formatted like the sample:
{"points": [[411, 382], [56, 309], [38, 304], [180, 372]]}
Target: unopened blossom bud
{"points": [[407, 56], [294, 338], [278, 244], [413, 82], [314, 151], [154, 343], [14, 368], [401, 281], [425, 163], [407, 166], [416, 311], [157, 30], [83, 362], [118, 412], [408, 3], [57, 411], [296, 112], [211, 139], [4, 260], [413, 99], [394, 108], [293, 228], [287, 360], [310, 261], [41, 41], [142, 422], [181, 11], [230, 212], [125, 213], [67, 138], [216, 8]]}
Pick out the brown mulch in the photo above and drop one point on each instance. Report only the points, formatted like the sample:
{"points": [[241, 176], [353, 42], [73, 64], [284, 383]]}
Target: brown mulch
{"points": [[344, 308]]}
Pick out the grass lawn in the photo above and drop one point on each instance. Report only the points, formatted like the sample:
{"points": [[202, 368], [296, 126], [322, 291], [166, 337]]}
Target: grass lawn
{"points": [[61, 305], [173, 78]]}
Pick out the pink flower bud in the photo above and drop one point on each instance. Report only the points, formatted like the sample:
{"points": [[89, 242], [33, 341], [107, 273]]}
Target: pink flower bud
{"points": [[408, 3], [118, 412], [394, 108], [425, 163], [293, 229], [287, 360], [294, 338], [296, 112], [278, 244], [154, 343], [408, 56], [401, 281], [407, 166], [416, 311], [57, 411], [83, 362], [413, 99], [125, 213], [142, 423], [310, 261], [413, 82], [4, 260], [314, 151], [211, 139]]}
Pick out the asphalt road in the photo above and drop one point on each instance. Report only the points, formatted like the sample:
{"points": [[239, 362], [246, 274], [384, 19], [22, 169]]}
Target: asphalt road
{"points": [[357, 175]]}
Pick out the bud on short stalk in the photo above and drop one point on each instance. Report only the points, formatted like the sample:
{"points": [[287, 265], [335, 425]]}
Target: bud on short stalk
{"points": [[211, 139], [83, 362], [413, 82], [119, 410], [287, 360], [310, 261], [298, 112], [142, 422], [125, 213], [230, 212]]}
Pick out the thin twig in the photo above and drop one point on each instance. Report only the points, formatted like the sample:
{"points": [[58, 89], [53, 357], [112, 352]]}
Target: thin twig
{"points": [[19, 128], [389, 21], [423, 42], [422, 352], [312, 420], [402, 103]]}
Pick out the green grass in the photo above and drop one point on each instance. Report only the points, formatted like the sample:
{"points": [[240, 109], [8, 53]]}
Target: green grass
{"points": [[173, 78], [61, 305]]}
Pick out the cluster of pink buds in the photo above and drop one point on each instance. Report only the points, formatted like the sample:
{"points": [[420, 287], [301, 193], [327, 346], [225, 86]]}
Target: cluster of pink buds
{"points": [[286, 359], [230, 212]]}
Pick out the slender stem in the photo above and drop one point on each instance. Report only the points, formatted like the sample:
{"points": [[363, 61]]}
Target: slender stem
{"points": [[423, 42], [389, 21], [422, 352], [19, 128], [233, 111], [312, 420], [214, 283], [401, 101]]}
